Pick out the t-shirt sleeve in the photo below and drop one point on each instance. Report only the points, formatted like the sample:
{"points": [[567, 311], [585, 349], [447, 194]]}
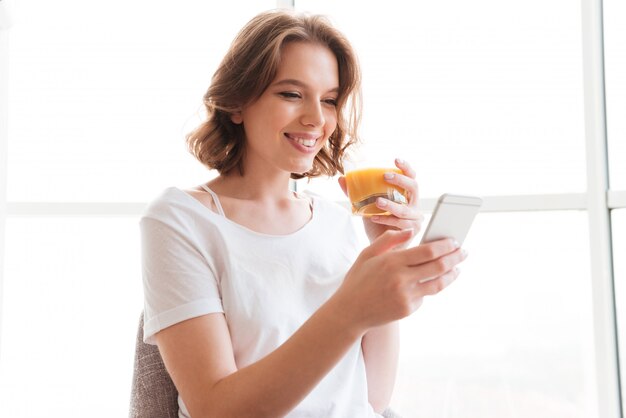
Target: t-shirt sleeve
{"points": [[179, 282]]}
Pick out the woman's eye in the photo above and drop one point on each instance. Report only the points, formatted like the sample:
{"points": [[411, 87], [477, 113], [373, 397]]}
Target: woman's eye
{"points": [[332, 102], [289, 95]]}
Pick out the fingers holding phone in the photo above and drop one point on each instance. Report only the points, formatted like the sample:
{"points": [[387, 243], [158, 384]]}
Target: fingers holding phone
{"points": [[385, 283]]}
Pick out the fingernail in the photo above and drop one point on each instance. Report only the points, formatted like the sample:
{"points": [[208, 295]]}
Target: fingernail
{"points": [[456, 244], [381, 202], [389, 176], [399, 160]]}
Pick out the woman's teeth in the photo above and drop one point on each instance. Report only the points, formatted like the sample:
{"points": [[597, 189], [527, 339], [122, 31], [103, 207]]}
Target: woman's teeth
{"points": [[307, 142]]}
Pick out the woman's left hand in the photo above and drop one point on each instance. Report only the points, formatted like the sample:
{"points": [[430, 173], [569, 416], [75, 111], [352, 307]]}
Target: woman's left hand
{"points": [[401, 216]]}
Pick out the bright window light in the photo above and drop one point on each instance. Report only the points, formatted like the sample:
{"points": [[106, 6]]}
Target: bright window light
{"points": [[102, 94], [512, 337], [72, 299], [483, 97]]}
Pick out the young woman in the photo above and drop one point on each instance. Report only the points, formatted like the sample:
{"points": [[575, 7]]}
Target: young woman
{"points": [[257, 297]]}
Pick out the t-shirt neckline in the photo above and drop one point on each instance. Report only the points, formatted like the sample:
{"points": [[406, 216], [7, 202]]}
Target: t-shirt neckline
{"points": [[223, 217]]}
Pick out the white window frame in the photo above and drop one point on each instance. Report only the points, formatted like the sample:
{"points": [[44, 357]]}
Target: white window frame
{"points": [[607, 384], [598, 201]]}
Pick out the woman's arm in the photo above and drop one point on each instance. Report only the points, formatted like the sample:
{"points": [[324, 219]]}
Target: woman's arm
{"points": [[380, 351], [199, 356]]}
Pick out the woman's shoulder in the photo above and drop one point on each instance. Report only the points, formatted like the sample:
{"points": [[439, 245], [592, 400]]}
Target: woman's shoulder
{"points": [[174, 205], [164, 202]]}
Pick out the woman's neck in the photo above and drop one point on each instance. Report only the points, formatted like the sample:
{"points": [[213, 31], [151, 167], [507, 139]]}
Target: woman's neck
{"points": [[252, 186], [262, 204]]}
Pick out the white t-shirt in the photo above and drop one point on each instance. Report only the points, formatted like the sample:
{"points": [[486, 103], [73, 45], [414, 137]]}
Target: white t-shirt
{"points": [[196, 262]]}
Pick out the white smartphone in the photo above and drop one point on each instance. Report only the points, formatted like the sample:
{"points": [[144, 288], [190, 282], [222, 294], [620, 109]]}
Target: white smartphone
{"points": [[452, 217]]}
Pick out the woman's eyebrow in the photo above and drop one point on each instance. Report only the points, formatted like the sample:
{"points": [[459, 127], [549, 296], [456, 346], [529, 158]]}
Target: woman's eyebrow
{"points": [[298, 83]]}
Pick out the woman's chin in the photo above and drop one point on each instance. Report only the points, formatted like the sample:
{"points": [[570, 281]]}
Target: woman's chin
{"points": [[301, 168]]}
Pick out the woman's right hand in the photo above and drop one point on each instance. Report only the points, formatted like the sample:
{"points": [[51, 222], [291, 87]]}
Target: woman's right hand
{"points": [[387, 284]]}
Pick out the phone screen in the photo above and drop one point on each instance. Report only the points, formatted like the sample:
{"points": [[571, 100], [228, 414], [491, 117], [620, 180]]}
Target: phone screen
{"points": [[452, 217]]}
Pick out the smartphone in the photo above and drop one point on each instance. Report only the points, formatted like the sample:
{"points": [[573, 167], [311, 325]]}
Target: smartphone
{"points": [[452, 217]]}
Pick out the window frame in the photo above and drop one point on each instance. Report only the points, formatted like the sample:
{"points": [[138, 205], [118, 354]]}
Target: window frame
{"points": [[608, 392]]}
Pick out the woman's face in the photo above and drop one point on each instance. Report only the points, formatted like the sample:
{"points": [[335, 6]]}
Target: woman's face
{"points": [[292, 120]]}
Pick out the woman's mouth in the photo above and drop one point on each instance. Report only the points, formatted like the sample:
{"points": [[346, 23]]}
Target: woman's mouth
{"points": [[305, 140]]}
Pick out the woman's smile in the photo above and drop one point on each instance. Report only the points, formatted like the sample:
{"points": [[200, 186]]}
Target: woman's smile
{"points": [[303, 141]]}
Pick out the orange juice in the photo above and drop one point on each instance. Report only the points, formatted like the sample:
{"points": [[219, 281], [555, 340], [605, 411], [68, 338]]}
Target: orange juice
{"points": [[368, 184]]}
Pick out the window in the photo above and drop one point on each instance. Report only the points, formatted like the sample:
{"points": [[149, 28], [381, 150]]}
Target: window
{"points": [[72, 305], [482, 98], [513, 335], [99, 105]]}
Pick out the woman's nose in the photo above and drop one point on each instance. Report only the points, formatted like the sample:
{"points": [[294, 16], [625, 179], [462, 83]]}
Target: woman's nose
{"points": [[313, 114]]}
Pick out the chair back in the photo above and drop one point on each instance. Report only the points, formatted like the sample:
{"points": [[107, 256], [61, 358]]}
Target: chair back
{"points": [[153, 394]]}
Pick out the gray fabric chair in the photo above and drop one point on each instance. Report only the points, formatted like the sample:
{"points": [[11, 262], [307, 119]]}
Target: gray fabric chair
{"points": [[153, 394]]}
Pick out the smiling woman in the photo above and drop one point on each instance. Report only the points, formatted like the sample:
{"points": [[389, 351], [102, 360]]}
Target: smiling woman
{"points": [[246, 281]]}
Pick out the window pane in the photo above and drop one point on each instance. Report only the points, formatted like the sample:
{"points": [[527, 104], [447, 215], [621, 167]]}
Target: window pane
{"points": [[508, 336], [72, 299], [102, 94], [615, 63], [482, 97], [618, 218], [512, 337]]}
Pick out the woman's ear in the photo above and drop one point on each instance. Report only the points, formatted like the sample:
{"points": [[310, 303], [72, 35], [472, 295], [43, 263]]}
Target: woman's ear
{"points": [[236, 118]]}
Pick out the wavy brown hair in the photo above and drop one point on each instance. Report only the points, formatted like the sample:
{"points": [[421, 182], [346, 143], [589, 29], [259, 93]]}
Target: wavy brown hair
{"points": [[250, 66]]}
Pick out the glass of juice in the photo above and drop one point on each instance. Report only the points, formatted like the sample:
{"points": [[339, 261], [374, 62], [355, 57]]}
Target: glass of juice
{"points": [[365, 185]]}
